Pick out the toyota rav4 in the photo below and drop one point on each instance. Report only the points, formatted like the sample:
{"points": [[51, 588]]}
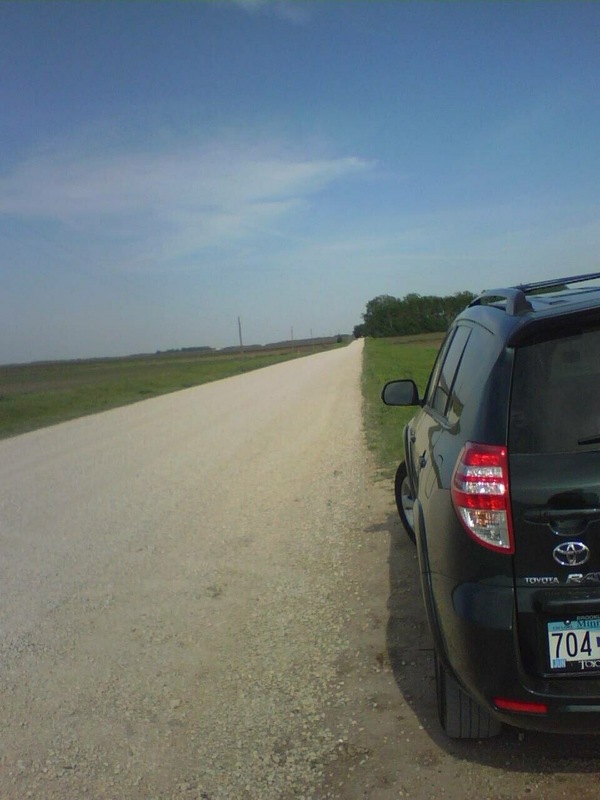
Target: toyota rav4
{"points": [[500, 489]]}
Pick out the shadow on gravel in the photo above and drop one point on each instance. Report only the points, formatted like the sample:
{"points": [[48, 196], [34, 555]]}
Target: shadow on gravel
{"points": [[410, 653]]}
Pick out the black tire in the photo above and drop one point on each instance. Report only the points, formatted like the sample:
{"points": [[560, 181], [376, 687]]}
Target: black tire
{"points": [[460, 716], [405, 501]]}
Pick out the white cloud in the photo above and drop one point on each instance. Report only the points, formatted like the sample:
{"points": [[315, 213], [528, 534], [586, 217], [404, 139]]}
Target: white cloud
{"points": [[174, 201], [292, 10]]}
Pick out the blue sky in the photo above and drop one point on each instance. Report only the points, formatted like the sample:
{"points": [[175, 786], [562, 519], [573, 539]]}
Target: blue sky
{"points": [[166, 167]]}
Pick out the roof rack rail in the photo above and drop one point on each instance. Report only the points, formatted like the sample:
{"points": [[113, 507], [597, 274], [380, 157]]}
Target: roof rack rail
{"points": [[531, 287], [516, 296], [516, 301]]}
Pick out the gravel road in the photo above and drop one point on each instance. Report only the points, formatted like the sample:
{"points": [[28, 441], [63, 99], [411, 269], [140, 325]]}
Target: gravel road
{"points": [[208, 596], [173, 585]]}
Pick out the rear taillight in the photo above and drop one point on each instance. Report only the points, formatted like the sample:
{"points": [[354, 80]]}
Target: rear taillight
{"points": [[481, 496]]}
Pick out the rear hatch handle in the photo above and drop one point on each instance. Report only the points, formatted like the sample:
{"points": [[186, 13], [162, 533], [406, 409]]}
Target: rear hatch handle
{"points": [[542, 516]]}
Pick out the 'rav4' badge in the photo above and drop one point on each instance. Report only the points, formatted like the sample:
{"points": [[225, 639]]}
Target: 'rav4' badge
{"points": [[571, 554], [578, 577]]}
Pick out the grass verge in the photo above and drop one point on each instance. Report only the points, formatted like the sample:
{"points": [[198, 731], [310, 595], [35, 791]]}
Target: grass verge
{"points": [[34, 396], [384, 360]]}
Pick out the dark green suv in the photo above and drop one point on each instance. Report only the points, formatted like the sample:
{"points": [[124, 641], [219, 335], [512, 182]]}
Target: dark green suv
{"points": [[500, 489]]}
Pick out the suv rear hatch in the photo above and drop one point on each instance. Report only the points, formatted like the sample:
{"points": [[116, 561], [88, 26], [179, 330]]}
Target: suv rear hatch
{"points": [[554, 463]]}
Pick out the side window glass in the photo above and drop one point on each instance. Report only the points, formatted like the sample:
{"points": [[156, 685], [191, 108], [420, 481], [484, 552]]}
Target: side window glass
{"points": [[472, 371], [445, 381], [435, 372]]}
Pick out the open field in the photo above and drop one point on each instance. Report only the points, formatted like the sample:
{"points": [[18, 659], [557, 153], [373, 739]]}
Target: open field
{"points": [[35, 395], [384, 360]]}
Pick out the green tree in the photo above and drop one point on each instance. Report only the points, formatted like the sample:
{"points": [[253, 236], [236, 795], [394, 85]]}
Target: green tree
{"points": [[393, 316]]}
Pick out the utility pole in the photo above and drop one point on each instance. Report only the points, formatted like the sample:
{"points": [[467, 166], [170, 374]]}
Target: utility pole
{"points": [[240, 332]]}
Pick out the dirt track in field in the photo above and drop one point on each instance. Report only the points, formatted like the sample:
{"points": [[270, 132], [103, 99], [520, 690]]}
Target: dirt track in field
{"points": [[207, 595]]}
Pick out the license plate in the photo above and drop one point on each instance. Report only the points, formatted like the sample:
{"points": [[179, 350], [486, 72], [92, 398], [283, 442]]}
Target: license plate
{"points": [[574, 645]]}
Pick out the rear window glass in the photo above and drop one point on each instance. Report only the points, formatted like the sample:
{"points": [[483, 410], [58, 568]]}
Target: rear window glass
{"points": [[555, 404]]}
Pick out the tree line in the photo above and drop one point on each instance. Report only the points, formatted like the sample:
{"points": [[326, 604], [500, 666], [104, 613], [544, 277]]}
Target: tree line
{"points": [[401, 316]]}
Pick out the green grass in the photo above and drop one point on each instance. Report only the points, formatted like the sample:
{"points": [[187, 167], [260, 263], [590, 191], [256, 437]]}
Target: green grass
{"points": [[384, 360], [36, 395]]}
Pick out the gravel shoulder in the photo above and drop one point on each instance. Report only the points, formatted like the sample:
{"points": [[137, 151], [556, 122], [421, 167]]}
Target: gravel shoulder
{"points": [[208, 596]]}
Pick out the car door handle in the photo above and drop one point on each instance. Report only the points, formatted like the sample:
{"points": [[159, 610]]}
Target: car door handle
{"points": [[423, 461]]}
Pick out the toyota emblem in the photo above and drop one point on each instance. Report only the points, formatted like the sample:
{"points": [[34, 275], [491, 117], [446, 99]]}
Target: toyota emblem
{"points": [[571, 554]]}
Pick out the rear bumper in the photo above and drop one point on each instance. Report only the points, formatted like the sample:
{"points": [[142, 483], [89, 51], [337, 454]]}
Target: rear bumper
{"points": [[479, 636], [564, 715]]}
